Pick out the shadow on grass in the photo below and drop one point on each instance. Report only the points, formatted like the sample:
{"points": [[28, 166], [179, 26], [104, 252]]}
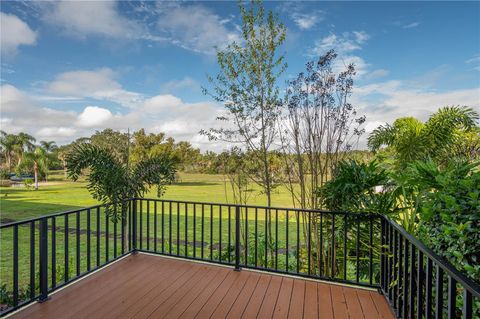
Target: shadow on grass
{"points": [[17, 210]]}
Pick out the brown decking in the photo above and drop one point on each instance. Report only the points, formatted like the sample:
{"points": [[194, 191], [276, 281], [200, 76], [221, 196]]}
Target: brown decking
{"points": [[145, 286]]}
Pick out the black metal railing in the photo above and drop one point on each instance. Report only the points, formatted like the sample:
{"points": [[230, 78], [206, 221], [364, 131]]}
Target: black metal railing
{"points": [[360, 249]]}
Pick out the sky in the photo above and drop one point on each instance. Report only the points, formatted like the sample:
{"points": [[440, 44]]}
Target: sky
{"points": [[70, 68]]}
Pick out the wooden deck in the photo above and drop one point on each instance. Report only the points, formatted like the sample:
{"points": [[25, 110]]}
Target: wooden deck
{"points": [[145, 286]]}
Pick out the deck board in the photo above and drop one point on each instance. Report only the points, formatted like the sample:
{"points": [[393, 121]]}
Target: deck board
{"points": [[146, 286]]}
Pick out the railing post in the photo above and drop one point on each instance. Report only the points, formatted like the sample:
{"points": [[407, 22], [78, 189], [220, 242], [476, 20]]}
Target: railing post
{"points": [[134, 226], [237, 238], [43, 259]]}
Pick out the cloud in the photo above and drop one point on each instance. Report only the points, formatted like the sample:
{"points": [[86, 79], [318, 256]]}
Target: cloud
{"points": [[186, 82], [195, 27], [90, 18], [97, 84], [14, 33], [474, 61], [93, 116], [411, 25], [375, 74], [307, 21]]}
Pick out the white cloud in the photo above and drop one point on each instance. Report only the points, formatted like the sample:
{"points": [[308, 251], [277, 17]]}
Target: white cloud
{"points": [[14, 33], [195, 28], [186, 82], [375, 74], [307, 21], [162, 103], [411, 25], [85, 18], [94, 116], [474, 61], [98, 84]]}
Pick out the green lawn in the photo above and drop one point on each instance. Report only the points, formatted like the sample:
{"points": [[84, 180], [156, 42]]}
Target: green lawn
{"points": [[20, 203]]}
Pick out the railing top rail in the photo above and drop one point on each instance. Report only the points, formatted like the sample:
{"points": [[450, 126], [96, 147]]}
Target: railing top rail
{"points": [[317, 211], [67, 212], [466, 282]]}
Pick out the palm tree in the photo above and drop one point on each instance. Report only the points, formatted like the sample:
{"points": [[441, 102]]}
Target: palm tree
{"points": [[49, 147], [36, 160], [25, 143], [8, 143], [112, 181], [409, 139]]}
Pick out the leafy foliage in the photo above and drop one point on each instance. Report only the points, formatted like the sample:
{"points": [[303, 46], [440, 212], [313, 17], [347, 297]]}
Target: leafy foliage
{"points": [[111, 181]]}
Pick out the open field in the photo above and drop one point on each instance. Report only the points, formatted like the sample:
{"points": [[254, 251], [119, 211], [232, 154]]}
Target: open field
{"points": [[20, 203]]}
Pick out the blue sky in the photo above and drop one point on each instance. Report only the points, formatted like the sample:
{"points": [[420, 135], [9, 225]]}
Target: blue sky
{"points": [[70, 68]]}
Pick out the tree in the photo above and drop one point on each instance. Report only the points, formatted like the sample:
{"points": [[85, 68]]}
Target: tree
{"points": [[25, 143], [246, 85], [408, 139], [8, 143], [320, 127], [49, 147], [114, 141], [36, 160], [112, 181]]}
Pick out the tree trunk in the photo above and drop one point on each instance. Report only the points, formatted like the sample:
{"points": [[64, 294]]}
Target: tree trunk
{"points": [[35, 170]]}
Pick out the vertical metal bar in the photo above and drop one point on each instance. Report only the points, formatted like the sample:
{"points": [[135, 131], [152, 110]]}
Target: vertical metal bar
{"points": [[332, 269], [66, 251], [107, 237], [401, 281], [163, 226], [256, 236], [370, 253], [130, 223], [439, 293], [309, 244], [88, 239], [115, 222], [467, 305], [211, 232], [229, 232], [286, 240], [357, 249], [148, 224], [43, 259], [345, 239], [178, 229], [220, 233], [123, 219], [298, 240], [390, 260], [98, 236], [155, 226], [382, 253], [412, 281], [32, 259], [395, 272], [194, 230], [321, 247], [452, 297], [237, 237], [406, 281], [266, 238], [77, 242], [54, 252], [202, 253], [186, 229], [428, 290], [15, 265], [420, 285], [170, 229], [246, 236], [140, 216], [276, 239]]}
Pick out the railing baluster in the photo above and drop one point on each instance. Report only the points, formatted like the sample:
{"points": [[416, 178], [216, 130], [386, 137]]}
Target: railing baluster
{"points": [[163, 227], [170, 229], [178, 229], [194, 231], [256, 236], [321, 247], [412, 281], [211, 232], [428, 289], [406, 281], [186, 230], [115, 234], [148, 224], [229, 233], [332, 266], [140, 216], [467, 304], [54, 253], [88, 239], [15, 265], [107, 237], [420, 285], [237, 237], [370, 254], [266, 238], [203, 232], [452, 297], [298, 240], [395, 272], [309, 244], [357, 271], [286, 240], [98, 236], [66, 250], [246, 236], [155, 226], [77, 241], [32, 260], [401, 281], [123, 220], [276, 239], [220, 233], [345, 239], [43, 259], [439, 293]]}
